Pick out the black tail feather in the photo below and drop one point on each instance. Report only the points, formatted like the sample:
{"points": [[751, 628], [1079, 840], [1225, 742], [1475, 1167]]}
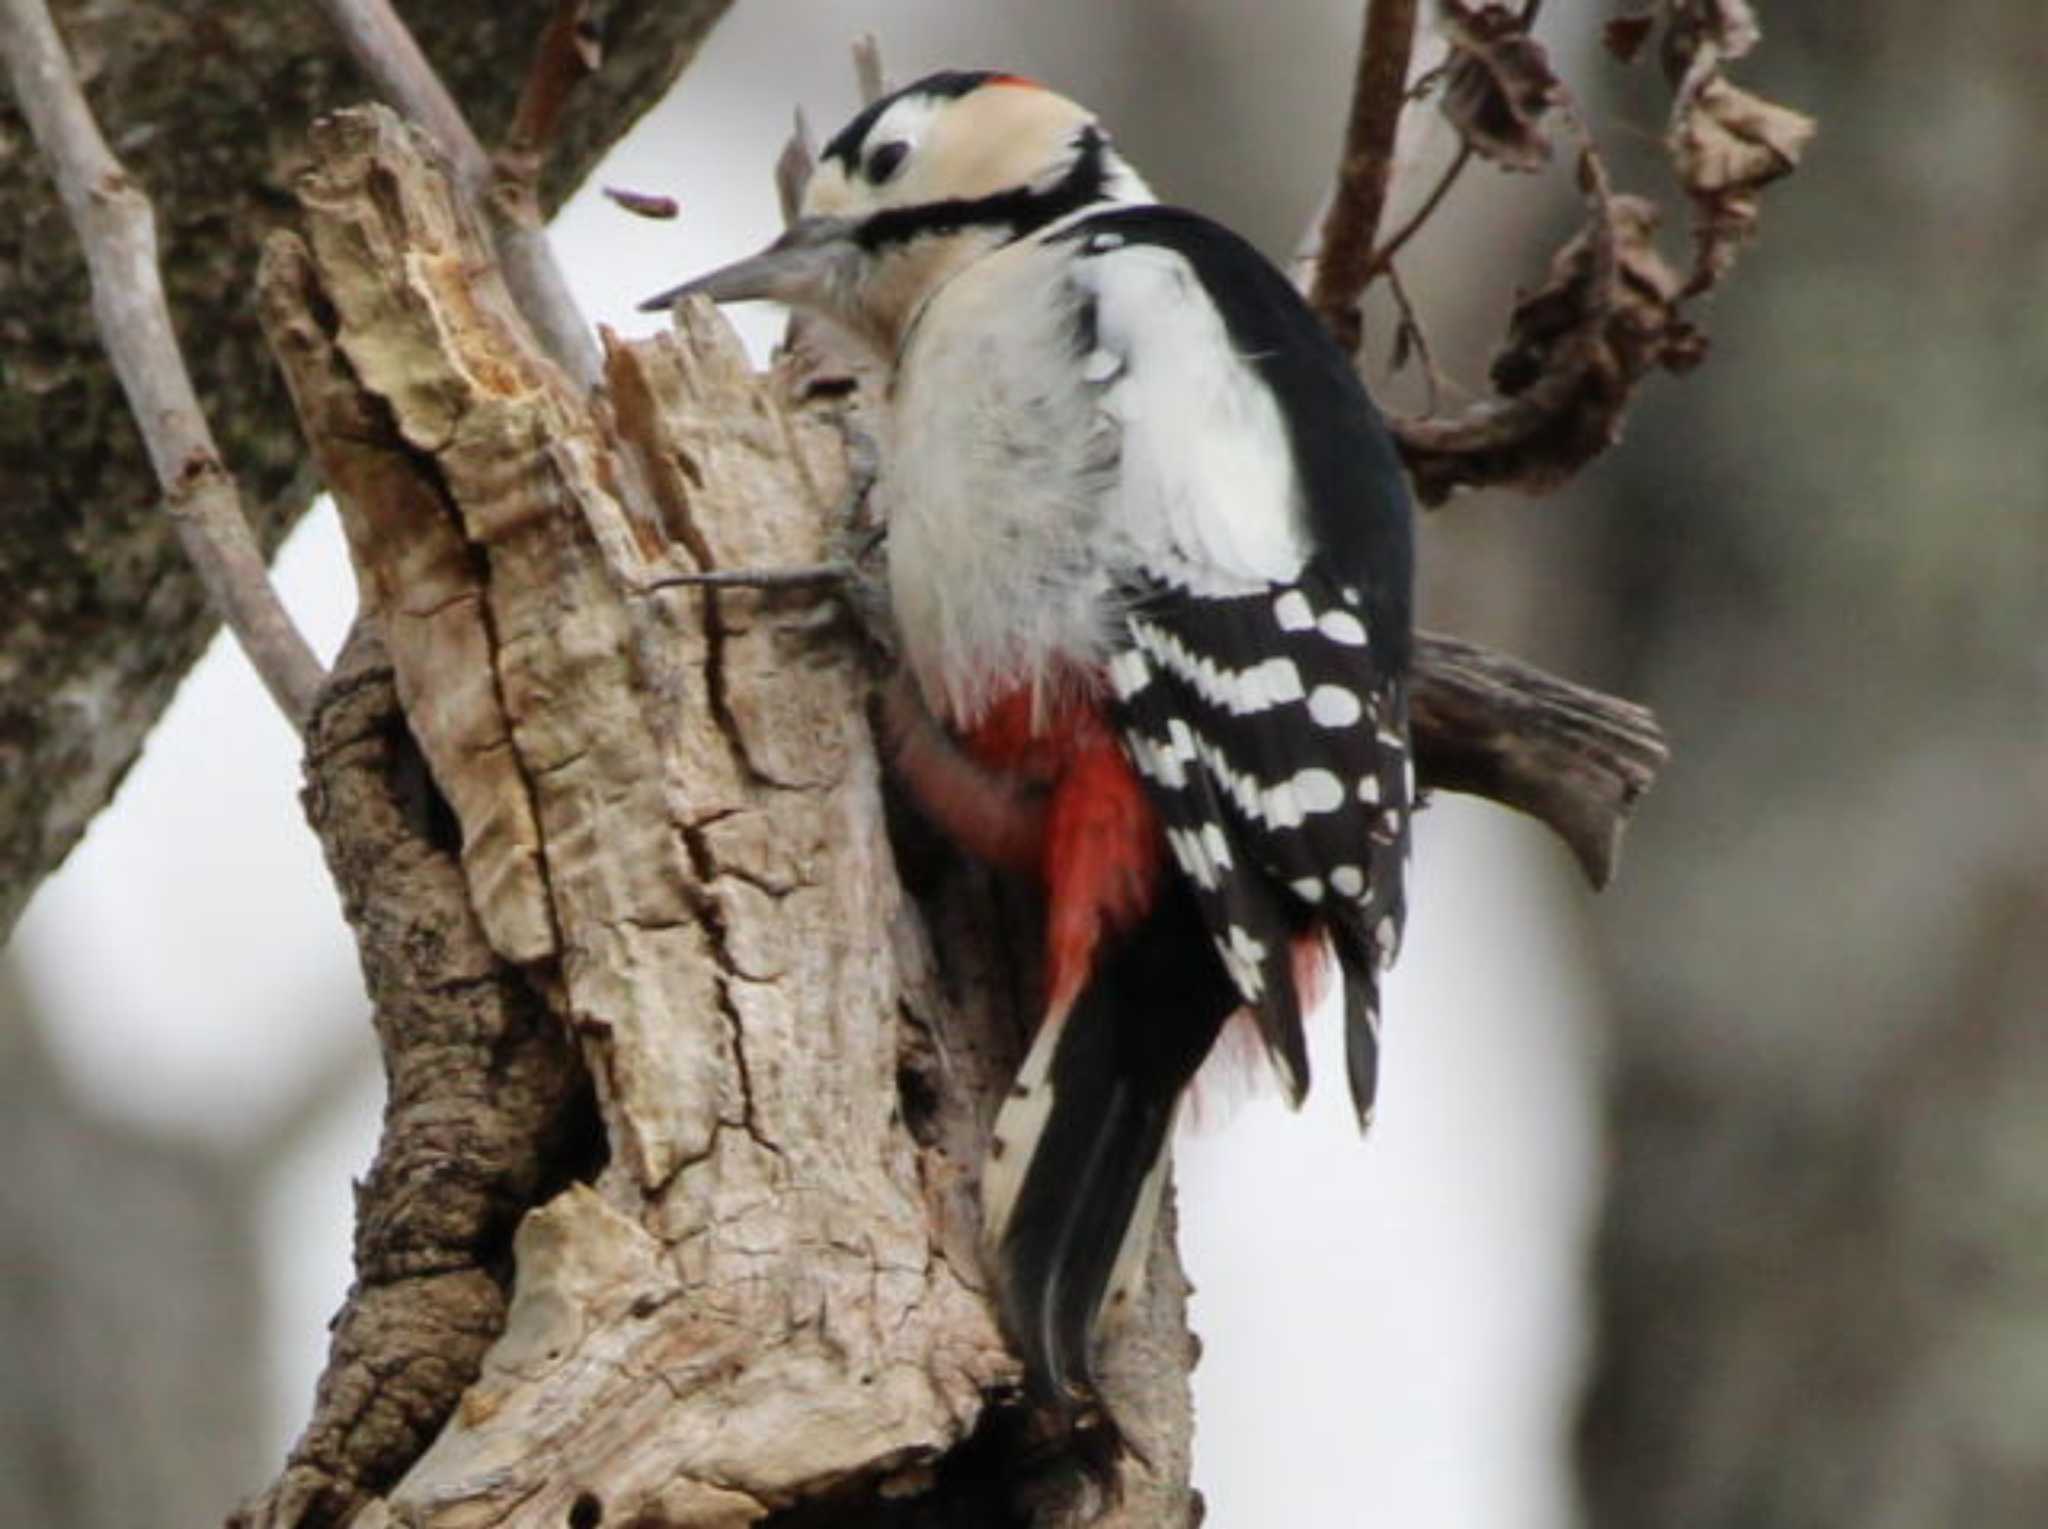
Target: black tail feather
{"points": [[1356, 959], [1116, 1071]]}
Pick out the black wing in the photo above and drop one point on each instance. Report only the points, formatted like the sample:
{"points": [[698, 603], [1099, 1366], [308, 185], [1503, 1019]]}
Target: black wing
{"points": [[1271, 726]]}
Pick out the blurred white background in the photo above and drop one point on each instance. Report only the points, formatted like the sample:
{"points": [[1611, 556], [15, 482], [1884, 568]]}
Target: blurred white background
{"points": [[1392, 1330]]}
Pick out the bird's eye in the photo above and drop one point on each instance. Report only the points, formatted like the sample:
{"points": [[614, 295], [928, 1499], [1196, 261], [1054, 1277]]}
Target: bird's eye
{"points": [[886, 161]]}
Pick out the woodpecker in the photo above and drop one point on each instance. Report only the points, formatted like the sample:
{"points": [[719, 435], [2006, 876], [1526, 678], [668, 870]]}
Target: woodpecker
{"points": [[1150, 556]]}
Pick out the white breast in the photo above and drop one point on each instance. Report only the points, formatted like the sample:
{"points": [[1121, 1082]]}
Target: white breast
{"points": [[995, 486]]}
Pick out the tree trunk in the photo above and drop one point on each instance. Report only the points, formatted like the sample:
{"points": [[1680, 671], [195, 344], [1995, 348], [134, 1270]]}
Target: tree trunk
{"points": [[100, 615], [664, 828]]}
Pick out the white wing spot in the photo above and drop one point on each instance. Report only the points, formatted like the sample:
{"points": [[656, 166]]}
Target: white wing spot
{"points": [[1272, 683], [1309, 889], [1334, 706], [1282, 806], [1388, 939], [1216, 846], [1157, 761], [1293, 612], [1319, 790], [1129, 673], [1347, 881], [1369, 789], [1343, 627]]}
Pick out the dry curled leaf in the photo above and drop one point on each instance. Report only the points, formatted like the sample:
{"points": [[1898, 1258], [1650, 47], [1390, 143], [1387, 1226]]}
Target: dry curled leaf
{"points": [[1726, 29], [1607, 289], [1607, 313], [1499, 84], [1727, 145], [1611, 308]]}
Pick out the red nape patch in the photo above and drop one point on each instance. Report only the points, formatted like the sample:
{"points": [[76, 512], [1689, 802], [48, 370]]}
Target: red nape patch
{"points": [[1015, 79]]}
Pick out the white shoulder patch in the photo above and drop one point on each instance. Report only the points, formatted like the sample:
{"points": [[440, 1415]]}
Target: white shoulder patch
{"points": [[1207, 489]]}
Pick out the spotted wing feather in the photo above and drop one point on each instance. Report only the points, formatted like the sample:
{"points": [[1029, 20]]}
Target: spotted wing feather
{"points": [[1278, 757]]}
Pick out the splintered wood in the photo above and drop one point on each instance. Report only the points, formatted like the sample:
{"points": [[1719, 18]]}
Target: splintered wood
{"points": [[670, 821]]}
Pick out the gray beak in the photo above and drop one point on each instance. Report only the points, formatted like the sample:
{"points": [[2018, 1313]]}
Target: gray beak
{"points": [[799, 268]]}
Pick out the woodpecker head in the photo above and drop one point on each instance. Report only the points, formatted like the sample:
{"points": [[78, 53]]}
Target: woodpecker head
{"points": [[918, 185]]}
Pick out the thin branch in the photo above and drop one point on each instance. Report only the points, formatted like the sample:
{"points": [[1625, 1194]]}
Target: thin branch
{"points": [[868, 77], [1383, 257], [1344, 265], [830, 575], [384, 48], [793, 167], [117, 228], [1411, 335], [568, 53]]}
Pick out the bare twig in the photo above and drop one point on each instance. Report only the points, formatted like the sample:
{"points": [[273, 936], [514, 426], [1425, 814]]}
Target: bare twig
{"points": [[793, 167], [789, 576], [1410, 335], [1345, 263], [117, 228], [1383, 257], [867, 68], [568, 52], [384, 49]]}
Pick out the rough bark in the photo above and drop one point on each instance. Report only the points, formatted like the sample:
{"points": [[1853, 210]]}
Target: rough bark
{"points": [[487, 1110], [206, 105]]}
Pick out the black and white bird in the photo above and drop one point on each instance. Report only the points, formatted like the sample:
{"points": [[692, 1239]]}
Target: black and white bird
{"points": [[1150, 555]]}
